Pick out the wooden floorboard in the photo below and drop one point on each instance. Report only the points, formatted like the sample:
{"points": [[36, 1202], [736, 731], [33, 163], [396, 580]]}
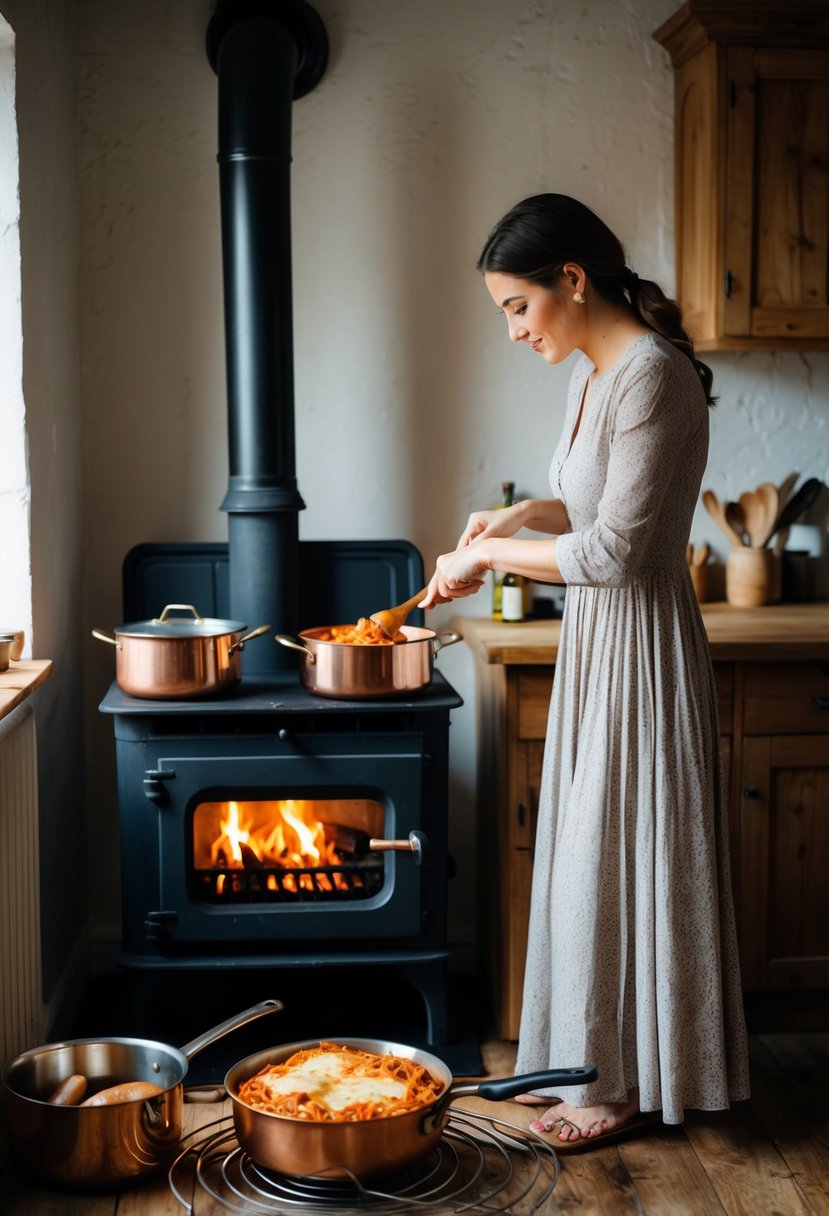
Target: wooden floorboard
{"points": [[766, 1157]]}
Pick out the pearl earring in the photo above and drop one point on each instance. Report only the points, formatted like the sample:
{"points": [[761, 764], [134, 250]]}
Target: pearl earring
{"points": [[578, 298]]}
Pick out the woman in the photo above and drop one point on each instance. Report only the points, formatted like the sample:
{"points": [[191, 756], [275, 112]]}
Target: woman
{"points": [[632, 959]]}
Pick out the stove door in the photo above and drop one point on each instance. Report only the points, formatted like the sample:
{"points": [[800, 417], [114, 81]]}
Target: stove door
{"points": [[383, 773]]}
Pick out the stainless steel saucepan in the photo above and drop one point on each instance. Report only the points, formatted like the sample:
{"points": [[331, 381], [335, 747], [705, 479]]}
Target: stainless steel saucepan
{"points": [[96, 1146]]}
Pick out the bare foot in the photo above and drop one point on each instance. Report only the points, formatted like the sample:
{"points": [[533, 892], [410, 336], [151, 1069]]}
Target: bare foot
{"points": [[584, 1122]]}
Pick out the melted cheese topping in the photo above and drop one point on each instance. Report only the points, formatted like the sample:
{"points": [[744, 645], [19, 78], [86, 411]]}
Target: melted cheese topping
{"points": [[334, 1079], [336, 1083]]}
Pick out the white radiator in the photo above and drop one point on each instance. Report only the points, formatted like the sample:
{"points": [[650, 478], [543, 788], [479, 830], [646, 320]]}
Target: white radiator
{"points": [[21, 987]]}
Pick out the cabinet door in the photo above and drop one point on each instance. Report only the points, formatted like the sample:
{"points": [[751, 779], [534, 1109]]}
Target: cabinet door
{"points": [[777, 194], [784, 860]]}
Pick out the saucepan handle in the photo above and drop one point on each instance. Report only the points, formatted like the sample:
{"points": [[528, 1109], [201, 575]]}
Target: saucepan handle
{"points": [[442, 640], [507, 1087], [254, 633], [285, 640], [239, 1019], [103, 636]]}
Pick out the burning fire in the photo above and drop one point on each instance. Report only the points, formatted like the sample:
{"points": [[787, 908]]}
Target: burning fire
{"points": [[290, 837]]}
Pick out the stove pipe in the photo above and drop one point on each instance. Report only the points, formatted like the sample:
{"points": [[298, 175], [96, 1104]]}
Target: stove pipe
{"points": [[265, 53]]}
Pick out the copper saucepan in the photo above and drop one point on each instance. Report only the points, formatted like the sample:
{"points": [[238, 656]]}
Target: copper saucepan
{"points": [[173, 658], [96, 1146], [337, 669], [299, 1147]]}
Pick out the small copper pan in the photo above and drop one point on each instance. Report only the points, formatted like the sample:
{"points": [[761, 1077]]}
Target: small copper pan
{"points": [[299, 1147]]}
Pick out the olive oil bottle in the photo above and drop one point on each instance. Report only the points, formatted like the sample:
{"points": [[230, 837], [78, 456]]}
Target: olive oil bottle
{"points": [[507, 499], [512, 597]]}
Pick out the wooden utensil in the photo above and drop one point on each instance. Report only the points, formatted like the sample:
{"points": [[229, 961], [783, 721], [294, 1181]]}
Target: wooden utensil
{"points": [[735, 515], [754, 513], [785, 488], [716, 510], [390, 619], [701, 555], [768, 496]]}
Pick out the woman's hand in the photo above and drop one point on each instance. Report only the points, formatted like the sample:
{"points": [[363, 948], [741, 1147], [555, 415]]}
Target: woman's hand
{"points": [[457, 575], [503, 521]]}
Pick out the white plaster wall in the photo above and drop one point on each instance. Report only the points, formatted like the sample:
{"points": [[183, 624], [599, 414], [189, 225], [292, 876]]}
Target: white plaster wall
{"points": [[46, 120], [434, 116]]}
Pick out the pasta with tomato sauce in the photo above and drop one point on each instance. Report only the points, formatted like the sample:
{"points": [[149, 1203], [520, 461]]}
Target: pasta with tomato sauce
{"points": [[364, 633], [337, 1084]]}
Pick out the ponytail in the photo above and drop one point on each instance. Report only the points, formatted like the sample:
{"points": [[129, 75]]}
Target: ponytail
{"points": [[663, 315]]}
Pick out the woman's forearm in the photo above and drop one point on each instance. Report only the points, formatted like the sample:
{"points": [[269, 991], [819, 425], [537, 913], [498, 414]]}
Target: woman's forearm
{"points": [[544, 515], [535, 559]]}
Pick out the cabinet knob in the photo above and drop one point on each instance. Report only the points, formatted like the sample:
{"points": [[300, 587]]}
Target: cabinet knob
{"points": [[750, 792]]}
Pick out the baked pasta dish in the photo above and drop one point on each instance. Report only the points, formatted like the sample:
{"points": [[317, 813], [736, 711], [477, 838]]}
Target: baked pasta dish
{"points": [[337, 1084], [364, 633]]}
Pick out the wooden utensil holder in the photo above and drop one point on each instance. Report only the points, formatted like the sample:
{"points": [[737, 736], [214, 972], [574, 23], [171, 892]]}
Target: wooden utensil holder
{"points": [[752, 577]]}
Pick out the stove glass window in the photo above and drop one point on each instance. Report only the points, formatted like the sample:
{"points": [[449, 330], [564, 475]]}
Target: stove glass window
{"points": [[287, 850]]}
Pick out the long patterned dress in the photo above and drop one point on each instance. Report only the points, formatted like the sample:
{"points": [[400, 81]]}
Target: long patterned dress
{"points": [[632, 960]]}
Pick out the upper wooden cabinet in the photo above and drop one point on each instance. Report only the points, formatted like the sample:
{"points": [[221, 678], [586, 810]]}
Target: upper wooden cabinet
{"points": [[752, 172]]}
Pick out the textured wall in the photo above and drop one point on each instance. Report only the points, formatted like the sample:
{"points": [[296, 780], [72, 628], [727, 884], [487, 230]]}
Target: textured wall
{"points": [[46, 114], [412, 407]]}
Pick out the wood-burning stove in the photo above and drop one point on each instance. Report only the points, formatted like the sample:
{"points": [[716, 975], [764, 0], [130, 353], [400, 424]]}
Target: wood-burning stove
{"points": [[272, 828]]}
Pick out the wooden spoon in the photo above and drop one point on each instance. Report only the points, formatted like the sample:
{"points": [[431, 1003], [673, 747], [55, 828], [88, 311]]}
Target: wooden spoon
{"points": [[716, 510], [785, 488], [769, 497], [701, 555], [754, 511], [735, 515], [390, 619]]}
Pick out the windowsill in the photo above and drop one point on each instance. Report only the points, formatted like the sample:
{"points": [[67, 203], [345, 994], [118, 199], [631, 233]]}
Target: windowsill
{"points": [[20, 681]]}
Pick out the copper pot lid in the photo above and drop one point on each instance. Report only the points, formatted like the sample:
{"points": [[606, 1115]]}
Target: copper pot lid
{"points": [[194, 626]]}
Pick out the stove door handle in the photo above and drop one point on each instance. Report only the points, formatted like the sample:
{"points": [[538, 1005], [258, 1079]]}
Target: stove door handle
{"points": [[416, 843]]}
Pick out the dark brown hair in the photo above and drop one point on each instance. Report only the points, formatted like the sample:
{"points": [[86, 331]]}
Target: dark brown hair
{"points": [[541, 234]]}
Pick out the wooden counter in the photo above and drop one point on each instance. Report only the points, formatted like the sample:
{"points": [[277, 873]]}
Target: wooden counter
{"points": [[772, 670], [20, 681], [777, 631]]}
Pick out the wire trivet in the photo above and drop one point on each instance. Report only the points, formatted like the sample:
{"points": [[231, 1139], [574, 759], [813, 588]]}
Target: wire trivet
{"points": [[480, 1164]]}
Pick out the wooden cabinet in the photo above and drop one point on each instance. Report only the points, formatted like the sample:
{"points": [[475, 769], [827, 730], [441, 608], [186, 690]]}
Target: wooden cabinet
{"points": [[782, 804], [752, 172], [774, 721]]}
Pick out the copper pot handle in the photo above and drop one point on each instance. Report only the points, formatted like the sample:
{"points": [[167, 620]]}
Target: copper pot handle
{"points": [[103, 636], [285, 639], [441, 640], [254, 633], [181, 608]]}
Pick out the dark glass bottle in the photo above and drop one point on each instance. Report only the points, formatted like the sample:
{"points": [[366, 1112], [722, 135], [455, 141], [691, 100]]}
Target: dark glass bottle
{"points": [[507, 499]]}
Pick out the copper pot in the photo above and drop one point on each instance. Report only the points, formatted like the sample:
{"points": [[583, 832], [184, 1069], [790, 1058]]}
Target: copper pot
{"points": [[337, 669], [170, 658], [299, 1147], [96, 1146]]}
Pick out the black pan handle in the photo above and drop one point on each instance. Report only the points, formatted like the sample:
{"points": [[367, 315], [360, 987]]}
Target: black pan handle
{"points": [[507, 1087]]}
